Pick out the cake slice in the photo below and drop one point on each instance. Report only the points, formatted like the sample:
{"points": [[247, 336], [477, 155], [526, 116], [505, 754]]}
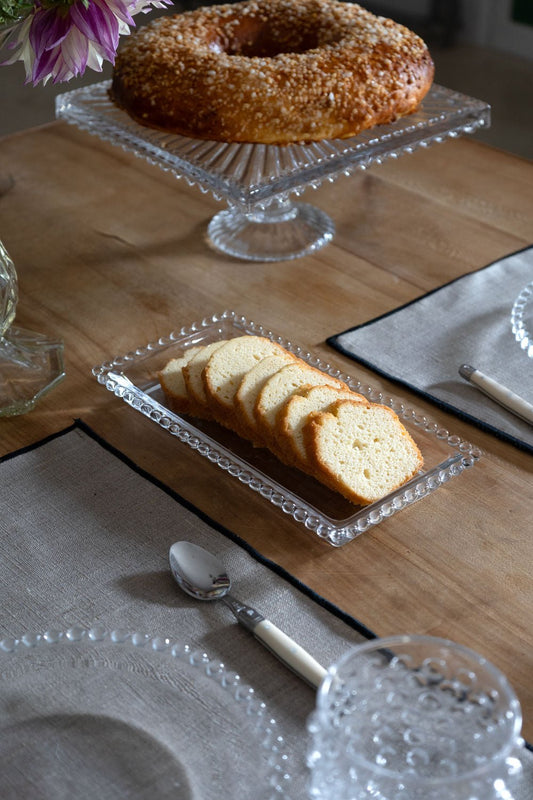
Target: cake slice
{"points": [[293, 416], [225, 370], [249, 388], [192, 375], [361, 450], [279, 388], [172, 380]]}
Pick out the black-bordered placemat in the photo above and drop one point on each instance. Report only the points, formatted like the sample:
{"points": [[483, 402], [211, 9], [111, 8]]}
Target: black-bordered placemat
{"points": [[84, 539], [421, 345]]}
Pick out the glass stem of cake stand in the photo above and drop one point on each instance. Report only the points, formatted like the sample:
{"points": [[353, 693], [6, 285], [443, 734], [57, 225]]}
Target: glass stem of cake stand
{"points": [[30, 363], [275, 230]]}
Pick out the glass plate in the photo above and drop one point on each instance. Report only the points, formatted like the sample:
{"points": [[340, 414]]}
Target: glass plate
{"points": [[93, 714], [133, 378], [246, 174], [522, 319]]}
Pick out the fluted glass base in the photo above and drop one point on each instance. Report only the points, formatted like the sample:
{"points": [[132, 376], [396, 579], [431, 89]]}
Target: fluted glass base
{"points": [[30, 365], [281, 231]]}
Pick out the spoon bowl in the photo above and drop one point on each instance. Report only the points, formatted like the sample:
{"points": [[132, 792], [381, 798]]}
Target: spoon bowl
{"points": [[199, 573]]}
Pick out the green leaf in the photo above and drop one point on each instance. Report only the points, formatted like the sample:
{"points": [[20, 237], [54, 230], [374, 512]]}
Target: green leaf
{"points": [[12, 11]]}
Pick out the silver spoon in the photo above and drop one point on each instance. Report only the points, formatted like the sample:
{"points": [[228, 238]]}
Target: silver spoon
{"points": [[201, 575]]}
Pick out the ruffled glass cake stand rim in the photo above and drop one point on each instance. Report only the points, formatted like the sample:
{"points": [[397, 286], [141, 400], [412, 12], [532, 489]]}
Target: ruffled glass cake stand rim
{"points": [[262, 221]]}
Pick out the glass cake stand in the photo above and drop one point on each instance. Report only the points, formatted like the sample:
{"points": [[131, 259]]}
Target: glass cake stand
{"points": [[262, 222]]}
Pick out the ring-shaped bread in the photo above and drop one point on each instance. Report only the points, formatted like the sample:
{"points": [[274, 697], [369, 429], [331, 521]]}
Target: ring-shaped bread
{"points": [[271, 71]]}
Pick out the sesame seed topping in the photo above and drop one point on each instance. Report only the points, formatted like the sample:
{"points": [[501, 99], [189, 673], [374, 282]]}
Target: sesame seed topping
{"points": [[271, 71]]}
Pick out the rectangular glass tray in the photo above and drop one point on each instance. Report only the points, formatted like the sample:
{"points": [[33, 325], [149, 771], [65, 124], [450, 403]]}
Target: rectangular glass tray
{"points": [[133, 378]]}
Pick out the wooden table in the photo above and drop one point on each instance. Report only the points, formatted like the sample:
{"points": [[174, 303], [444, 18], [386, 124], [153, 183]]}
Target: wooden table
{"points": [[111, 255]]}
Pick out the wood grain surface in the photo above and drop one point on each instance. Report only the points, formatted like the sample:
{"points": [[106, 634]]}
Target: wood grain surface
{"points": [[111, 255]]}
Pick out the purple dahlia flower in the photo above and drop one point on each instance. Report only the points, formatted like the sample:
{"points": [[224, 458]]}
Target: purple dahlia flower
{"points": [[60, 39]]}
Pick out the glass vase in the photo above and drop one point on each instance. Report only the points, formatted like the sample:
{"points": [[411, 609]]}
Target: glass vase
{"points": [[30, 363]]}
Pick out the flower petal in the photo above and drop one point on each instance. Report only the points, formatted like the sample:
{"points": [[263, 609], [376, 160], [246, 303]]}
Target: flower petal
{"points": [[48, 29], [44, 65], [74, 52], [122, 10], [61, 41], [95, 58], [97, 25], [145, 6]]}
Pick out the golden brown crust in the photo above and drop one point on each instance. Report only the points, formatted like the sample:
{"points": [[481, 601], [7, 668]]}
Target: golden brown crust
{"points": [[271, 71]]}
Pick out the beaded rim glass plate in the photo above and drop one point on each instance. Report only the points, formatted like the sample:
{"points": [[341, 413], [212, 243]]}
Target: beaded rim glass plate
{"points": [[133, 378], [90, 713], [522, 319]]}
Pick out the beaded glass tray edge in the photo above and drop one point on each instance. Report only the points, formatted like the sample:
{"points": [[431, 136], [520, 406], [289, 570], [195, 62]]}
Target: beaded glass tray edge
{"points": [[248, 174], [459, 454]]}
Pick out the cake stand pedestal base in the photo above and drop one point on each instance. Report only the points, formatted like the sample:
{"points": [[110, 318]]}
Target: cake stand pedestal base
{"points": [[280, 231]]}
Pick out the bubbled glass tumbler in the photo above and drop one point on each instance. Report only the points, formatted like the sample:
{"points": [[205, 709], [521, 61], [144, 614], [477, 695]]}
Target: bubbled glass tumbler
{"points": [[30, 363], [414, 718]]}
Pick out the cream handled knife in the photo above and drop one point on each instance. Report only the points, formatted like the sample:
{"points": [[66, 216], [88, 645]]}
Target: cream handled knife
{"points": [[498, 392]]}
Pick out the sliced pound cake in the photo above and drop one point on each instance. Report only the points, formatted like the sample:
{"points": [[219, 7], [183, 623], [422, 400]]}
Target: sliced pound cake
{"points": [[172, 380], [279, 388], [293, 416], [225, 370], [361, 450], [249, 388], [306, 417], [192, 375]]}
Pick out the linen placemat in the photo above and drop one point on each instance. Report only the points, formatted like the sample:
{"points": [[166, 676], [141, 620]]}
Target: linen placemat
{"points": [[84, 540], [467, 321]]}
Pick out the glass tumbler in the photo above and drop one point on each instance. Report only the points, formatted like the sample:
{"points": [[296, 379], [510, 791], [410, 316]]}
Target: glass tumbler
{"points": [[414, 718]]}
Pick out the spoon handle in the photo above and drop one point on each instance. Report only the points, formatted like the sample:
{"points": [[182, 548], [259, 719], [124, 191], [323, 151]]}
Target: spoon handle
{"points": [[275, 640], [289, 653]]}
